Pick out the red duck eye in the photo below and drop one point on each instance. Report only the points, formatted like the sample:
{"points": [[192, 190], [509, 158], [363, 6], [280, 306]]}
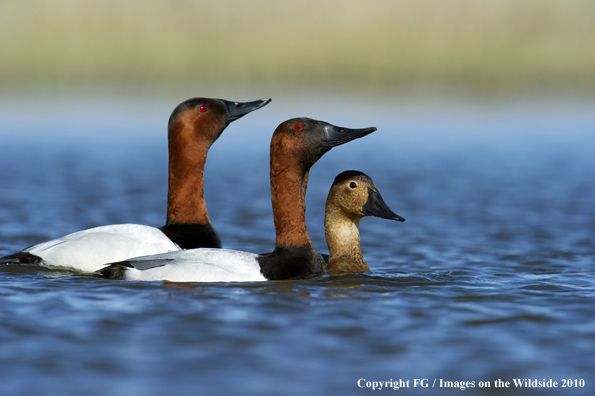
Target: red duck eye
{"points": [[203, 108], [298, 126]]}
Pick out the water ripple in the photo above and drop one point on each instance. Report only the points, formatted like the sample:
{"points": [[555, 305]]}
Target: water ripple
{"points": [[492, 276]]}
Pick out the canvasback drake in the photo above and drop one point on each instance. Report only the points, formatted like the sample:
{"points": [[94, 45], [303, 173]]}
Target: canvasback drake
{"points": [[296, 145], [193, 127], [352, 196]]}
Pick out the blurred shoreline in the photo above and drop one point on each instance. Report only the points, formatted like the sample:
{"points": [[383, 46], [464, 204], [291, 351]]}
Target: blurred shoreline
{"points": [[461, 47]]}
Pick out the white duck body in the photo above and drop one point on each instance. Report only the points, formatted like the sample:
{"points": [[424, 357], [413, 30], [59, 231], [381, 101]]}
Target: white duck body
{"points": [[196, 265], [89, 250]]}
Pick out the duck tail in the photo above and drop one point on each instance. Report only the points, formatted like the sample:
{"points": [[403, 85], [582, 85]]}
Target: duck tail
{"points": [[21, 257], [114, 270]]}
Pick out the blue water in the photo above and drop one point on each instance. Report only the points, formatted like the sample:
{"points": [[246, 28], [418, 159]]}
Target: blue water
{"points": [[491, 277]]}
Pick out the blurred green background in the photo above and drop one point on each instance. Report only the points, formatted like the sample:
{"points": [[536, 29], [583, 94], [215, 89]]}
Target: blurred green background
{"points": [[476, 46]]}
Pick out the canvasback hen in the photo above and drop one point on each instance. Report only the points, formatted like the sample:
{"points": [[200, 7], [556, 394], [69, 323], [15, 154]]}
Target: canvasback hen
{"points": [[352, 196], [296, 145], [193, 127]]}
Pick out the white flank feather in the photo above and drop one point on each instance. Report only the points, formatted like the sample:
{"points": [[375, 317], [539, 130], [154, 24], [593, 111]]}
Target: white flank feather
{"points": [[197, 265], [90, 250]]}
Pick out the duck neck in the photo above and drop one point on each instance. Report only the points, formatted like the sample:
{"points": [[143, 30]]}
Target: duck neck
{"points": [[294, 255], [288, 195], [185, 197], [342, 239]]}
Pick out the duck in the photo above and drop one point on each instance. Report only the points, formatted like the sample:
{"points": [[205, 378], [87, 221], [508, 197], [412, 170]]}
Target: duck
{"points": [[296, 145], [353, 195], [194, 125]]}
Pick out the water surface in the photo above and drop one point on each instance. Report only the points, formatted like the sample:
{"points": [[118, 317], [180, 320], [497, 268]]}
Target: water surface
{"points": [[491, 277]]}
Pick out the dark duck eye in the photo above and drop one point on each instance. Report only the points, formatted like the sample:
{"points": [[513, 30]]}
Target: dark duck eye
{"points": [[353, 185]]}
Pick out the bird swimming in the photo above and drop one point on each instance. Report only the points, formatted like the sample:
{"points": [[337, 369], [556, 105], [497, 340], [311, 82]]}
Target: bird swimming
{"points": [[193, 127], [353, 195], [295, 146]]}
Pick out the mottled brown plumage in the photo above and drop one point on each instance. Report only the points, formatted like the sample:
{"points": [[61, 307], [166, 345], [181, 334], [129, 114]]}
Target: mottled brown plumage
{"points": [[352, 196]]}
